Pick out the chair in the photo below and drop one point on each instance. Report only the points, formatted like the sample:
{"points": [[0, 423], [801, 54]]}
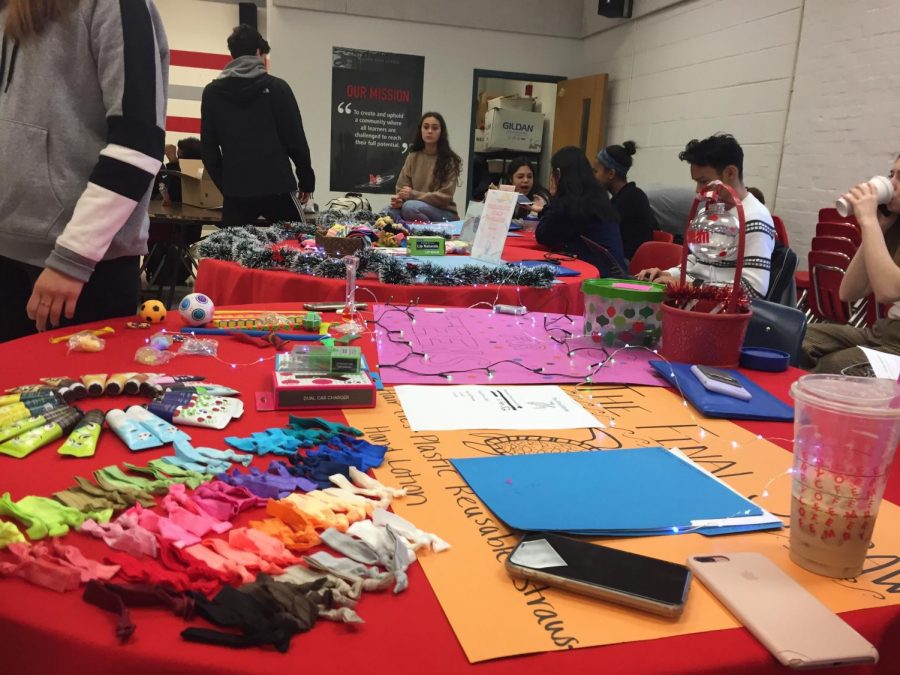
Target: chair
{"points": [[661, 235], [781, 235], [659, 254], [846, 230], [826, 271], [831, 214], [776, 326], [835, 244], [782, 286]]}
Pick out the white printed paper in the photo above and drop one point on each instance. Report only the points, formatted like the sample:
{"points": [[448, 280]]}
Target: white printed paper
{"points": [[443, 408], [883, 365], [499, 206]]}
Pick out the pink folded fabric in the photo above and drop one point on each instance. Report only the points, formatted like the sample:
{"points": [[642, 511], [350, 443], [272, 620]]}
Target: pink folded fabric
{"points": [[264, 545], [186, 513], [224, 501], [219, 563], [164, 527], [71, 556], [40, 571], [246, 558], [124, 534]]}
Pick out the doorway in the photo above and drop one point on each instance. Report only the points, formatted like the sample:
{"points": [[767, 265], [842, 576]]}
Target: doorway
{"points": [[519, 115], [527, 100]]}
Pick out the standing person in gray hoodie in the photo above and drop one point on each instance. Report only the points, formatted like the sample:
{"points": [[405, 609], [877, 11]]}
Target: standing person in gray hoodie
{"points": [[251, 130], [83, 88]]}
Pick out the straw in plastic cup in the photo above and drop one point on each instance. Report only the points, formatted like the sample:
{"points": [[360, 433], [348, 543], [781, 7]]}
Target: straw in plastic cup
{"points": [[846, 430]]}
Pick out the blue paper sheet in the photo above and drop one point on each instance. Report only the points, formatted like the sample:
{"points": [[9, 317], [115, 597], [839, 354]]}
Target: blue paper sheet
{"points": [[761, 406], [452, 262], [558, 270], [637, 492]]}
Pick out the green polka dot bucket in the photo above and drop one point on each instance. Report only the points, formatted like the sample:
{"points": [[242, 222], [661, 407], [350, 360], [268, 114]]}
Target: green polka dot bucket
{"points": [[619, 312]]}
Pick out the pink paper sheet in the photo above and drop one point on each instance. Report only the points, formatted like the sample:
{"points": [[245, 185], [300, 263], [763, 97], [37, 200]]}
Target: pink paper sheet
{"points": [[465, 342]]}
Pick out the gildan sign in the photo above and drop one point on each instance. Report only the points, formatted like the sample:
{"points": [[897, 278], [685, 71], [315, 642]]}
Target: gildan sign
{"points": [[510, 129], [376, 103], [517, 126]]}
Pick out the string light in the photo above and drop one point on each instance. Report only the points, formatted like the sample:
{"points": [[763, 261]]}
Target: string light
{"points": [[551, 326]]}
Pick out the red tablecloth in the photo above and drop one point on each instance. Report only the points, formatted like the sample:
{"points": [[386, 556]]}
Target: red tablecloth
{"points": [[228, 283], [45, 632]]}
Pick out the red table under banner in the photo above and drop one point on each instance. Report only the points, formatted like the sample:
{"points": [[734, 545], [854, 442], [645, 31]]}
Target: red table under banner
{"points": [[229, 283], [46, 632]]}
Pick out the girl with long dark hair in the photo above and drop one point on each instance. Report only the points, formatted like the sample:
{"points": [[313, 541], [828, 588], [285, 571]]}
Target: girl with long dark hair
{"points": [[82, 117], [580, 208], [429, 176], [533, 197]]}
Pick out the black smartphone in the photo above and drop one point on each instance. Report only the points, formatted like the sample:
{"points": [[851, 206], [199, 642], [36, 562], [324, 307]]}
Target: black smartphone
{"points": [[719, 376], [637, 581]]}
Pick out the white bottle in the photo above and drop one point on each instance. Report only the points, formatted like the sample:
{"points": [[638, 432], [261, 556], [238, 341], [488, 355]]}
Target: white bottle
{"points": [[884, 190]]}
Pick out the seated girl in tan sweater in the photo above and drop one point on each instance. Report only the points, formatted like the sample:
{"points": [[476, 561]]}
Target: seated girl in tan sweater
{"points": [[429, 176]]}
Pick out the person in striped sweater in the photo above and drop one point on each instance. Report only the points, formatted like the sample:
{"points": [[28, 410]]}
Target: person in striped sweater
{"points": [[83, 86], [720, 157]]}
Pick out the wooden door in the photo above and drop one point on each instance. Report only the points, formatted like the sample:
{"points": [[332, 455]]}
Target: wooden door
{"points": [[581, 114]]}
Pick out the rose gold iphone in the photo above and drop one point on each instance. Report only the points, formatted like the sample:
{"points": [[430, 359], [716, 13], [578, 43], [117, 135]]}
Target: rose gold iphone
{"points": [[799, 630]]}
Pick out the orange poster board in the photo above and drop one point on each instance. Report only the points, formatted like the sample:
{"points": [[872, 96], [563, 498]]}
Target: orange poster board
{"points": [[494, 615]]}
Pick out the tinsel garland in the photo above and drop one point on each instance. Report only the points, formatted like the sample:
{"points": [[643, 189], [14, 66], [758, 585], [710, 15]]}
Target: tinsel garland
{"points": [[256, 248], [707, 297]]}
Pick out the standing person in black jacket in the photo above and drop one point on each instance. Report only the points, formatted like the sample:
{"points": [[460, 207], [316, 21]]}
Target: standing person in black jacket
{"points": [[251, 130]]}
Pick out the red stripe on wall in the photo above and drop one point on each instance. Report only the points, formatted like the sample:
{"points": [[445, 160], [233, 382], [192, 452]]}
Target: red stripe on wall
{"points": [[187, 125], [178, 57]]}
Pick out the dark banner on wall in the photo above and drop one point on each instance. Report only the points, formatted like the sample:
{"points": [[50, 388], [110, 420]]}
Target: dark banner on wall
{"points": [[376, 103]]}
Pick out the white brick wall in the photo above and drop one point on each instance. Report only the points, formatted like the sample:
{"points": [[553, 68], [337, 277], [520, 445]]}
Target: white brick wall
{"points": [[844, 121], [696, 68], [816, 106]]}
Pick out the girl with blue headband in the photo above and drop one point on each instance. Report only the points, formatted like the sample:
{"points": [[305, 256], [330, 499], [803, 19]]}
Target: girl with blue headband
{"points": [[636, 219]]}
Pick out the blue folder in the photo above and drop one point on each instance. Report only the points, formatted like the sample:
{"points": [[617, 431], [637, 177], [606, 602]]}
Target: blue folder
{"points": [[451, 262], [637, 492], [761, 406], [558, 270]]}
